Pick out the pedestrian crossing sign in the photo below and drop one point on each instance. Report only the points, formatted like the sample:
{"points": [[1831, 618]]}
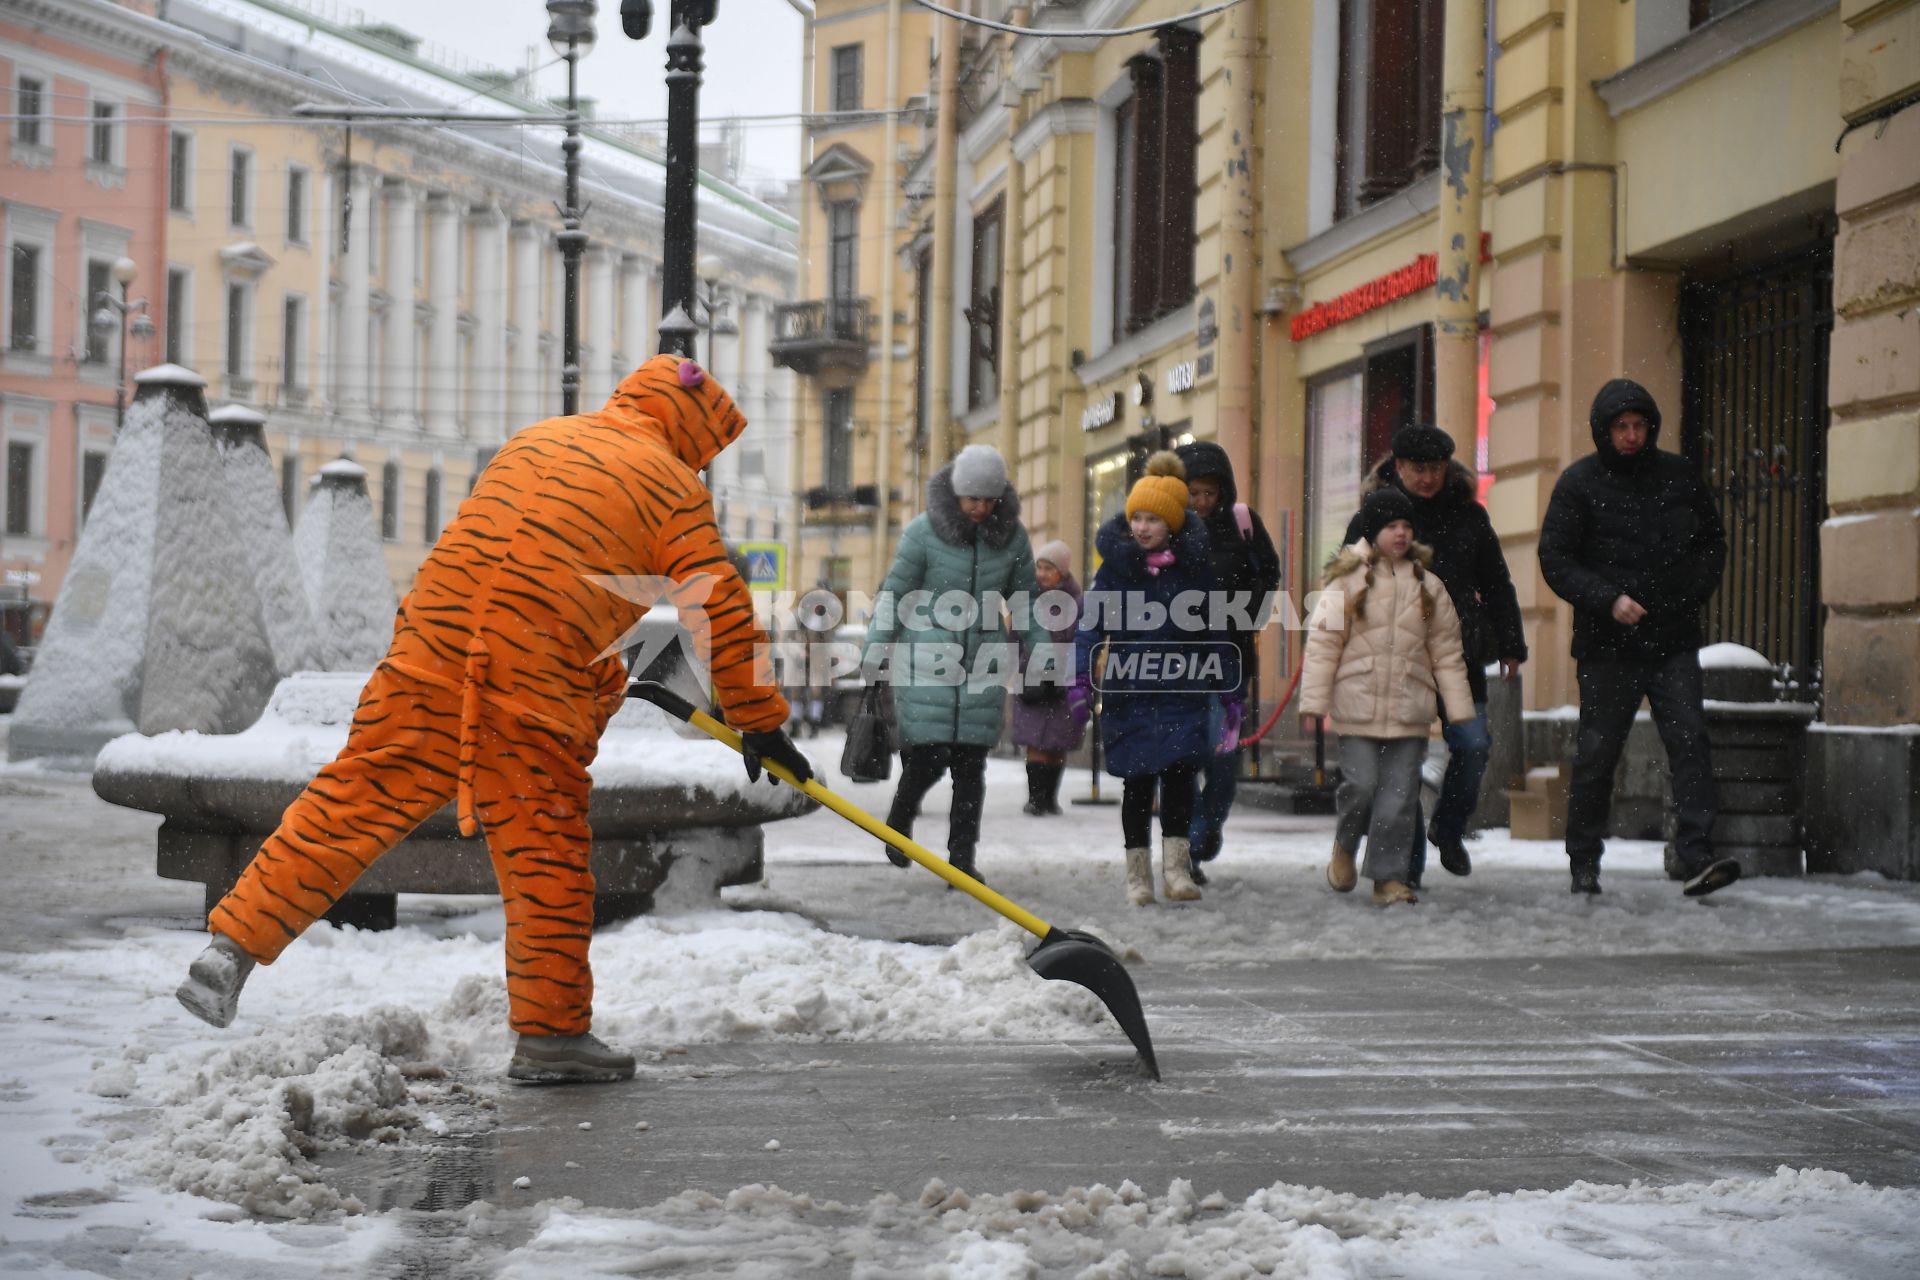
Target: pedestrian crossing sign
{"points": [[766, 565]]}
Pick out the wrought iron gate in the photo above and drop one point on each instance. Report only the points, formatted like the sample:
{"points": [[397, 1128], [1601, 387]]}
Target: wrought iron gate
{"points": [[1755, 420]]}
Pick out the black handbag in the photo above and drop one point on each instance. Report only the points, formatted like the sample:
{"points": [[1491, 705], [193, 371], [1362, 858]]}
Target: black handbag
{"points": [[868, 755]]}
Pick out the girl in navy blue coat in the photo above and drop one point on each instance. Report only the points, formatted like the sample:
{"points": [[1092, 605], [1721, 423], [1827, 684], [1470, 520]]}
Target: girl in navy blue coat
{"points": [[1148, 606]]}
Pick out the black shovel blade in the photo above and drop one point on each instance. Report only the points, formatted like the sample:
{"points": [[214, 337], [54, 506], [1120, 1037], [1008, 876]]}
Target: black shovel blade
{"points": [[1070, 955]]}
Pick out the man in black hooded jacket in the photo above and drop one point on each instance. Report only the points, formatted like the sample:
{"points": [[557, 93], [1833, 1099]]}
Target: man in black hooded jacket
{"points": [[1632, 541], [1448, 517], [1244, 565]]}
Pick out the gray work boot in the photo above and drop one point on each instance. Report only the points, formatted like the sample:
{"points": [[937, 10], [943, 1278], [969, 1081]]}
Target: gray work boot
{"points": [[211, 992], [581, 1059]]}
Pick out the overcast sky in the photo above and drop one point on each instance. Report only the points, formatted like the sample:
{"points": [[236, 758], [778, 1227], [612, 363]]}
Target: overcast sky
{"points": [[753, 61]]}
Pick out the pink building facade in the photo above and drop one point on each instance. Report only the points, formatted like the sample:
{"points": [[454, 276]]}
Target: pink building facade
{"points": [[84, 183]]}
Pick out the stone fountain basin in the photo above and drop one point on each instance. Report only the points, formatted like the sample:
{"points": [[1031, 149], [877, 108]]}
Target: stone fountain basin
{"points": [[662, 804]]}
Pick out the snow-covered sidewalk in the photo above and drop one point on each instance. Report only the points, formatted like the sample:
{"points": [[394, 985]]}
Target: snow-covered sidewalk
{"points": [[139, 1142]]}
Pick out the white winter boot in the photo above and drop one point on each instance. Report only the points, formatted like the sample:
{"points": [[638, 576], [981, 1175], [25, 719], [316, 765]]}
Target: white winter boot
{"points": [[1176, 869], [1140, 877], [211, 992]]}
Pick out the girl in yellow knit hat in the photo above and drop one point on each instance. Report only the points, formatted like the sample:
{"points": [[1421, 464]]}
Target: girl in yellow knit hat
{"points": [[1160, 671]]}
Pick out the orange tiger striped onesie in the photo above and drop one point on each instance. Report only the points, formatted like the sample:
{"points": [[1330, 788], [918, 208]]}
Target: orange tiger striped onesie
{"points": [[494, 695]]}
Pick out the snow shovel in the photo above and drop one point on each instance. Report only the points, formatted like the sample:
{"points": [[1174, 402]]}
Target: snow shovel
{"points": [[1064, 955]]}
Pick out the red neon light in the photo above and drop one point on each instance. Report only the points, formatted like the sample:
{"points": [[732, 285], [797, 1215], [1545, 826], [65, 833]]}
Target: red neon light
{"points": [[1419, 274]]}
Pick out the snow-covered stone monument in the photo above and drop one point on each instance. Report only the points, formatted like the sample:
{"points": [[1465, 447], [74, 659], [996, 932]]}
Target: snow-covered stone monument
{"points": [[239, 437], [158, 624], [345, 568]]}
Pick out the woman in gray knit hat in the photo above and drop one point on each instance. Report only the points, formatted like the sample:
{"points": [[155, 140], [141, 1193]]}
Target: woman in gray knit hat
{"points": [[947, 654]]}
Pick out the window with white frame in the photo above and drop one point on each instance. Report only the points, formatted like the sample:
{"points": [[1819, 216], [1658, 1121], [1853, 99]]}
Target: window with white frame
{"points": [[390, 502], [100, 340], [1389, 98], [983, 310], [1156, 131], [430, 514], [296, 204], [179, 320], [28, 267], [29, 110], [21, 460], [293, 336], [240, 188], [837, 468], [93, 469], [239, 337], [847, 87], [180, 171], [103, 137]]}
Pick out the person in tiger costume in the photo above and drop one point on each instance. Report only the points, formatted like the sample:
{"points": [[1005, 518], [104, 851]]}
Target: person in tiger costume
{"points": [[496, 690]]}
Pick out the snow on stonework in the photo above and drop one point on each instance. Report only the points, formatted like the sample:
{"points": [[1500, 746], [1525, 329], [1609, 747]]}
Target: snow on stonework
{"points": [[1725, 656], [345, 569], [157, 625], [269, 543]]}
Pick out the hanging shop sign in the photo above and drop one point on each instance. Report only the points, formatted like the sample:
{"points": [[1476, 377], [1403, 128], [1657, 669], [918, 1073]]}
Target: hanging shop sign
{"points": [[1416, 276], [1102, 412]]}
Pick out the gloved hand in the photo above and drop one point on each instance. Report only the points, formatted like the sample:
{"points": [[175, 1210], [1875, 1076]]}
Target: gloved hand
{"points": [[774, 747], [1233, 710], [1080, 701]]}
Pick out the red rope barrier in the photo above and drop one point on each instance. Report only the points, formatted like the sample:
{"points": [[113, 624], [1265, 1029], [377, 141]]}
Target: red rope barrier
{"points": [[1292, 688]]}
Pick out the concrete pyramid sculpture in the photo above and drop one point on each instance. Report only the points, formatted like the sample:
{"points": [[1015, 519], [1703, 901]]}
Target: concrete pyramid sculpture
{"points": [[240, 440], [157, 625], [345, 570]]}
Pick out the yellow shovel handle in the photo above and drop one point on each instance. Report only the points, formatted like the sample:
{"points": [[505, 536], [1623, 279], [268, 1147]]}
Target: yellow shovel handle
{"points": [[674, 705]]}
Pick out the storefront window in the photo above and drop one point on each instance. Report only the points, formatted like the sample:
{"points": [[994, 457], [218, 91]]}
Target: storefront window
{"points": [[1336, 422]]}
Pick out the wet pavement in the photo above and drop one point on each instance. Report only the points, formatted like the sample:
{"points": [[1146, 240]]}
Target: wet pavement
{"points": [[1370, 1077]]}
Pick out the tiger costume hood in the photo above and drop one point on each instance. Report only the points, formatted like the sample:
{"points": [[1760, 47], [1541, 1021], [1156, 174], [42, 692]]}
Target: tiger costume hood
{"points": [[691, 412]]}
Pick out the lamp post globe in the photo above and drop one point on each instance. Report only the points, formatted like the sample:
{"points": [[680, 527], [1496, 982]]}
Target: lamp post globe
{"points": [[570, 26], [124, 271]]}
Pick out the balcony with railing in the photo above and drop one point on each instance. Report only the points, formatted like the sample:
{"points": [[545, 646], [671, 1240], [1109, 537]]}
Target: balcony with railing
{"points": [[822, 334]]}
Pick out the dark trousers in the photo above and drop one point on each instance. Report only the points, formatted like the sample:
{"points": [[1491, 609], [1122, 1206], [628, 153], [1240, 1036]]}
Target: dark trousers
{"points": [[1610, 694], [1469, 748], [920, 768], [1176, 805]]}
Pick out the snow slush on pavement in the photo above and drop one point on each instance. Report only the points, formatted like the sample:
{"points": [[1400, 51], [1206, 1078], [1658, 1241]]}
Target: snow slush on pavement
{"points": [[1064, 955]]}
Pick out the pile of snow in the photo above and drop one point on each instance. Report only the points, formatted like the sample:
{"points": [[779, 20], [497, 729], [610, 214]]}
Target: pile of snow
{"points": [[1800, 1223]]}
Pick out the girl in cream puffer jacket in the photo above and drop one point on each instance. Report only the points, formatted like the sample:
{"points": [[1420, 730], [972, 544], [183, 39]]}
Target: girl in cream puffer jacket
{"points": [[1383, 642]]}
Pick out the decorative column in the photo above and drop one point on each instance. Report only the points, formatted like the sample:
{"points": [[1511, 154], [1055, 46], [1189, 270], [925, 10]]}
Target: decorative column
{"points": [[357, 286], [636, 280], [490, 317], [443, 292], [596, 345], [531, 401], [403, 338]]}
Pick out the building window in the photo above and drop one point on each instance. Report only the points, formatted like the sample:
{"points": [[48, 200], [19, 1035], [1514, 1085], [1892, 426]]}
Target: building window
{"points": [[983, 310], [843, 250], [19, 488], [179, 171], [29, 103], [1399, 388], [290, 486], [390, 502], [240, 190], [296, 205], [99, 281], [93, 469], [846, 77], [177, 289], [1336, 459], [431, 522], [837, 476], [1156, 132], [1389, 98], [293, 327], [101, 149], [24, 318], [922, 345], [236, 336]]}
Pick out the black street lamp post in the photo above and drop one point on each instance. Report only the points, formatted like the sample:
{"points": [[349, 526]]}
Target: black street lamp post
{"points": [[112, 313], [677, 325], [570, 32]]}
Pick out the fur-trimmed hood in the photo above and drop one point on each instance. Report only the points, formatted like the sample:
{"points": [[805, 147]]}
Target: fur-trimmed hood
{"points": [[1360, 555], [951, 525], [1462, 484]]}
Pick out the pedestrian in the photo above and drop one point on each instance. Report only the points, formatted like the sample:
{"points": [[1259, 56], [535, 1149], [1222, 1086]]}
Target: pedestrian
{"points": [[1448, 517], [1632, 541], [1153, 729], [496, 690], [1246, 569], [1383, 640], [940, 636], [1042, 722]]}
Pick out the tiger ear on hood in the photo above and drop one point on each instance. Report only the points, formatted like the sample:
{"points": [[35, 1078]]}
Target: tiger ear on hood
{"points": [[695, 411]]}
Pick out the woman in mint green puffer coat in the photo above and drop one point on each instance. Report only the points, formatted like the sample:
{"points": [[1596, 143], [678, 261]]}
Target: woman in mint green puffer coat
{"points": [[940, 634]]}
